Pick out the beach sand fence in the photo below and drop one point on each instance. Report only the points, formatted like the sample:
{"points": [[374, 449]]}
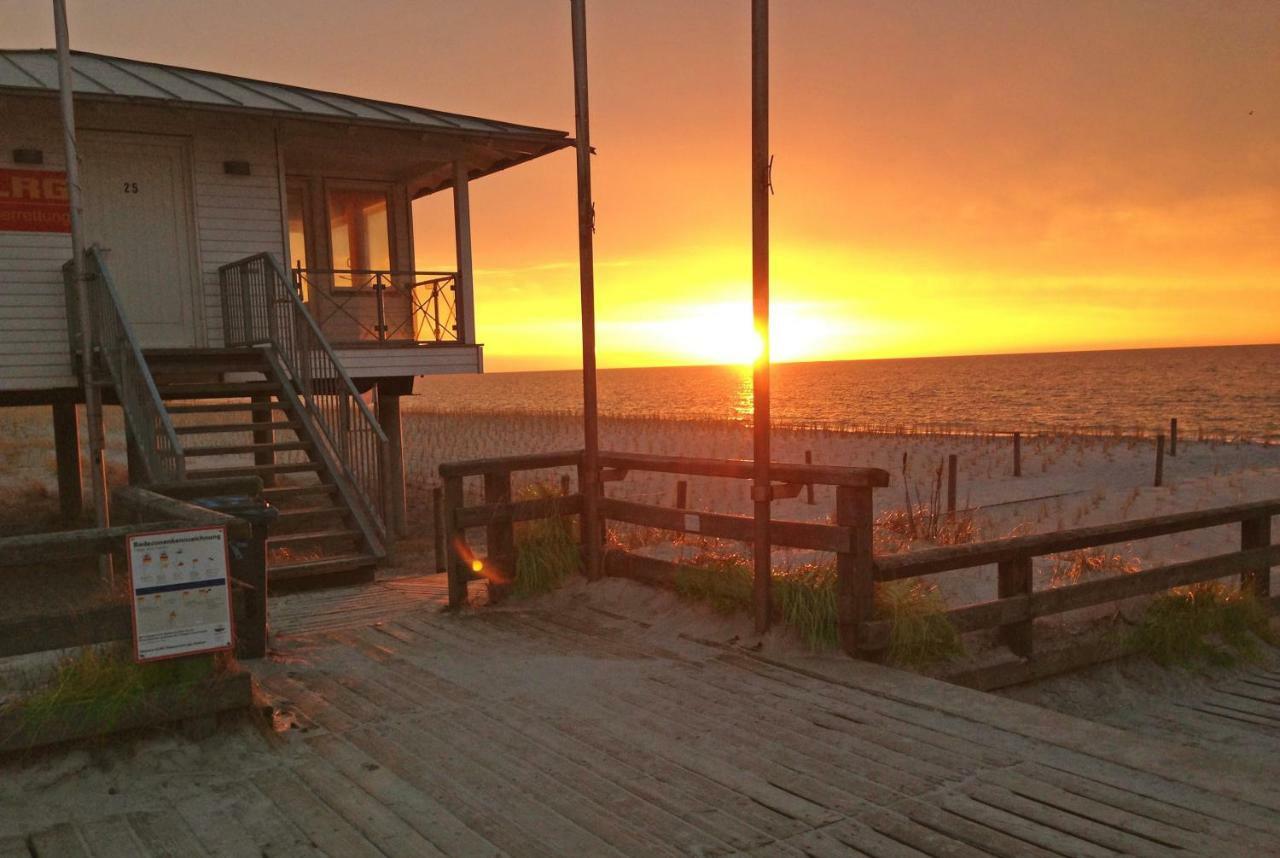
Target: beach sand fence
{"points": [[108, 619], [858, 571]]}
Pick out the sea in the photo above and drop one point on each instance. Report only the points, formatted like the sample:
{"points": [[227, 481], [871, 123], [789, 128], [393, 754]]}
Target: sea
{"points": [[1230, 392]]}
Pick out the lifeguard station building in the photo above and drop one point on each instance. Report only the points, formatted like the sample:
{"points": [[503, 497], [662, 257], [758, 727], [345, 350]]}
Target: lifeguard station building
{"points": [[256, 306]]}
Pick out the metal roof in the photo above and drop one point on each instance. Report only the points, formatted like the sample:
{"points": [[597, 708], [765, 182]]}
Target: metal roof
{"points": [[97, 75]]}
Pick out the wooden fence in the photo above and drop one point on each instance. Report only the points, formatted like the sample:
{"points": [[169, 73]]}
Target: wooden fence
{"points": [[850, 539], [145, 510], [1018, 603]]}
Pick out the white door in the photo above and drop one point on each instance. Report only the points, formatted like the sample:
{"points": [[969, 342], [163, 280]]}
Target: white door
{"points": [[137, 205]]}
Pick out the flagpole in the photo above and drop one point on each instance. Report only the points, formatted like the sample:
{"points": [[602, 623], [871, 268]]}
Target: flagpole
{"points": [[92, 397], [761, 490], [589, 476]]}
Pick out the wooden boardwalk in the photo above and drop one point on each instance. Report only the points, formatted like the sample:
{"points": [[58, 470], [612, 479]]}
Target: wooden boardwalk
{"points": [[575, 732]]}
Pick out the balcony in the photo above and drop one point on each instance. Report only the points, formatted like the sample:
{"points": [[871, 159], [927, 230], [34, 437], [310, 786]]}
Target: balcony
{"points": [[368, 308]]}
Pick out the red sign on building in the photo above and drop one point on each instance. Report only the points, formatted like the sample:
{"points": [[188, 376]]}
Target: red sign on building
{"points": [[34, 201]]}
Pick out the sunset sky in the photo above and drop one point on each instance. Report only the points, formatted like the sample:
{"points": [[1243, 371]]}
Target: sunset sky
{"points": [[956, 177]]}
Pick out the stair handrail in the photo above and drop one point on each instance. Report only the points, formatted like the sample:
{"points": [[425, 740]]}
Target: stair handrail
{"points": [[114, 341], [261, 307]]}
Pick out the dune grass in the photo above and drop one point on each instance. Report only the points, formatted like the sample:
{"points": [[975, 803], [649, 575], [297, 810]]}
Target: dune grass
{"points": [[104, 682], [920, 633], [547, 550], [805, 601], [1207, 623]]}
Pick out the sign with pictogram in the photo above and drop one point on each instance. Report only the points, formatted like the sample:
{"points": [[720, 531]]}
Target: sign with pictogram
{"points": [[181, 592]]}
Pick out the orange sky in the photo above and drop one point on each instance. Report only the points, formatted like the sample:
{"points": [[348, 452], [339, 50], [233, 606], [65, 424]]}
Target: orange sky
{"points": [[952, 177]]}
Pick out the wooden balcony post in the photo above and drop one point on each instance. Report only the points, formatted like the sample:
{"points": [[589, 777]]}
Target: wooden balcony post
{"points": [[1256, 533], [855, 582], [438, 526], [465, 303], [456, 540], [66, 443], [393, 472], [1015, 580]]}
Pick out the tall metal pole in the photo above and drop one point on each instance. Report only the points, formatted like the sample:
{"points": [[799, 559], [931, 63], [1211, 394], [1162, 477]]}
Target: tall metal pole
{"points": [[92, 398], [592, 537], [762, 488]]}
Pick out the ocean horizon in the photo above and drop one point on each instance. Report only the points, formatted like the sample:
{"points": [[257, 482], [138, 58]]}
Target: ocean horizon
{"points": [[1216, 391]]}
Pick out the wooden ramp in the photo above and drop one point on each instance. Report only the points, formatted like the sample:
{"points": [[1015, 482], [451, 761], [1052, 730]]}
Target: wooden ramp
{"points": [[573, 732]]}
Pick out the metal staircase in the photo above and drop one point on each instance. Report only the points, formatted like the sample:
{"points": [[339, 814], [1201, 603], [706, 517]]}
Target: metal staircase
{"points": [[275, 403], [235, 415]]}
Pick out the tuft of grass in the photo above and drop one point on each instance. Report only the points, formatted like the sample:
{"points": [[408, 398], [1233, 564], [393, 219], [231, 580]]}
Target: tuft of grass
{"points": [[723, 581], [806, 598], [547, 551], [105, 682], [1073, 567], [1210, 623], [920, 634]]}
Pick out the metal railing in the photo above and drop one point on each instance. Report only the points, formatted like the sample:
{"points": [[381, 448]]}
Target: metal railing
{"points": [[116, 346], [261, 307], [381, 306]]}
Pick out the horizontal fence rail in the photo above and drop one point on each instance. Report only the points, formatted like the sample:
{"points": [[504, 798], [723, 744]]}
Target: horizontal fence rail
{"points": [[117, 348], [149, 511], [382, 306], [850, 539], [261, 307], [1018, 604]]}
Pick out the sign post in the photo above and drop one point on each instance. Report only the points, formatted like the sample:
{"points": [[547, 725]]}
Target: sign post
{"points": [[181, 593]]}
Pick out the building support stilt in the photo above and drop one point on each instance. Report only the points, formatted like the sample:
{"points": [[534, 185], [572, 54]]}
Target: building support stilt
{"points": [[389, 418], [66, 445]]}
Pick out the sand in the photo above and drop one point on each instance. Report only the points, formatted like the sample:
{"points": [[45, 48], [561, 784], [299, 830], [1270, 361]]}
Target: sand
{"points": [[1067, 481]]}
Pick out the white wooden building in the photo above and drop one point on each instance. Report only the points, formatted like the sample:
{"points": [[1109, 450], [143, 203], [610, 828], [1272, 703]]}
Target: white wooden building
{"points": [[247, 233]]}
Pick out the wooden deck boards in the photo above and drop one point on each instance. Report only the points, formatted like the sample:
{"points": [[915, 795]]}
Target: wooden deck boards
{"points": [[579, 733]]}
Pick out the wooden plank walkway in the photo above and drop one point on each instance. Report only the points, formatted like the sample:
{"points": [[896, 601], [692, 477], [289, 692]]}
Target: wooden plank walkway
{"points": [[574, 732]]}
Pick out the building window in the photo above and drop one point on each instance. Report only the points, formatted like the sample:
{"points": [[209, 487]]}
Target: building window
{"points": [[359, 234], [296, 202]]}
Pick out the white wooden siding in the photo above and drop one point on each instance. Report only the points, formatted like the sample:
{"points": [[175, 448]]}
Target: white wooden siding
{"points": [[236, 216], [424, 360], [34, 350]]}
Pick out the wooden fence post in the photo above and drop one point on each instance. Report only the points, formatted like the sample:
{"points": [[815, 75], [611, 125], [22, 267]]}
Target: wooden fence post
{"points": [[1256, 533], [951, 484], [855, 584], [1159, 460], [808, 487], [602, 523], [459, 567], [682, 494], [1015, 579], [1017, 454], [1173, 436], [500, 539], [437, 514]]}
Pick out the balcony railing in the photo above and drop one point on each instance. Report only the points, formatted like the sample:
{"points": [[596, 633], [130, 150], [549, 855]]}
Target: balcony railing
{"points": [[371, 306]]}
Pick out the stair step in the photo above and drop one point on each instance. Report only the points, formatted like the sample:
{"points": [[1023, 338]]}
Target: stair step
{"points": [[333, 565], [290, 539], [203, 428], [302, 513], [232, 449], [227, 407], [254, 470], [276, 493], [226, 389]]}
